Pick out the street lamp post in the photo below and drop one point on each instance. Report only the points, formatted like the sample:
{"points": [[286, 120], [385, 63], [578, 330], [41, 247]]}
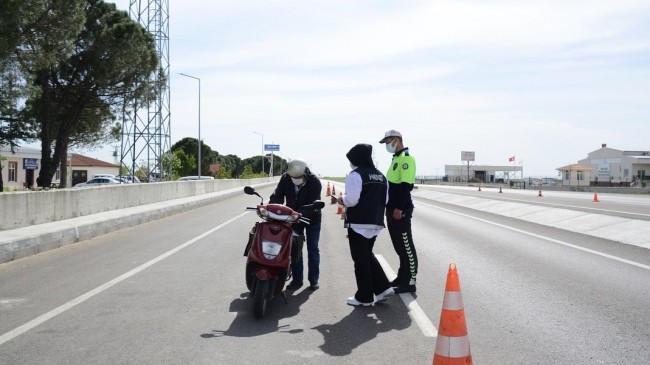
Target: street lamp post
{"points": [[262, 150], [199, 80]]}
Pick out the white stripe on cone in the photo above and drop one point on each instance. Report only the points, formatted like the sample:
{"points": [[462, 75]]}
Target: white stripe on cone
{"points": [[453, 301], [452, 346]]}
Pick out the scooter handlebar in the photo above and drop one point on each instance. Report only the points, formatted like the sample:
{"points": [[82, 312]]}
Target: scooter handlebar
{"points": [[309, 208]]}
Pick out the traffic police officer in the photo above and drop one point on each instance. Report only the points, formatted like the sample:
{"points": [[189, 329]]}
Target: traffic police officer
{"points": [[399, 210]]}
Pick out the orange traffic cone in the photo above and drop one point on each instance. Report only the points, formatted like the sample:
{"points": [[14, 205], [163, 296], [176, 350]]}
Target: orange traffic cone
{"points": [[500, 190], [329, 191], [333, 190], [540, 193], [595, 197], [452, 345], [340, 209]]}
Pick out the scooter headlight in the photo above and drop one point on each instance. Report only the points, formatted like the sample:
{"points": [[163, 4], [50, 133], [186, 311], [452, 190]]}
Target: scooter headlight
{"points": [[271, 249]]}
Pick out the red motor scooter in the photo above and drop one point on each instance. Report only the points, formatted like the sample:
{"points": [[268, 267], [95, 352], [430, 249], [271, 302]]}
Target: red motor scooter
{"points": [[269, 250]]}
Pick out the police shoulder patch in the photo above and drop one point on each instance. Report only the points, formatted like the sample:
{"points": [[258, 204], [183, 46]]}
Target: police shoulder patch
{"points": [[405, 166]]}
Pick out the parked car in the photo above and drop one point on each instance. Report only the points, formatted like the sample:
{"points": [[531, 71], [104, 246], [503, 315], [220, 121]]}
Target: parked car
{"points": [[105, 175], [189, 178], [97, 181], [128, 179]]}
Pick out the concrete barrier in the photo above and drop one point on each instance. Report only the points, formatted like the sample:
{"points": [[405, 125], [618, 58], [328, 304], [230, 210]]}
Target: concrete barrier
{"points": [[27, 208], [114, 208]]}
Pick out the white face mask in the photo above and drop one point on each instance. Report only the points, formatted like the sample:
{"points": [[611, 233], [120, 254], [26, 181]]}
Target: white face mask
{"points": [[298, 181], [390, 148]]}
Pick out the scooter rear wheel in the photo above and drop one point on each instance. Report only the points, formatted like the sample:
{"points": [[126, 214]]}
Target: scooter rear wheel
{"points": [[261, 297]]}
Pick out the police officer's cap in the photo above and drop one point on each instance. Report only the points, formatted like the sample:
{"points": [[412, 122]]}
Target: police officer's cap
{"points": [[390, 134]]}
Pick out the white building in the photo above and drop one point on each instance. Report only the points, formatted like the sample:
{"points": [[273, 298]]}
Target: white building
{"points": [[482, 173], [83, 168], [20, 169], [615, 167], [575, 175]]}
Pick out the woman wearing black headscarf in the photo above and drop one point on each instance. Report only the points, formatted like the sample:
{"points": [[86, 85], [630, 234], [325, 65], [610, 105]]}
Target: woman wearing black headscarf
{"points": [[365, 198]]}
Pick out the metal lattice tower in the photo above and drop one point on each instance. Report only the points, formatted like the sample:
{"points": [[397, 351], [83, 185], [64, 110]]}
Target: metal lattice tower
{"points": [[146, 131]]}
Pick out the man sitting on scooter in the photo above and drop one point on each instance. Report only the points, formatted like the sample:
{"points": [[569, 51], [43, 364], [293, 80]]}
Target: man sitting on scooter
{"points": [[298, 186]]}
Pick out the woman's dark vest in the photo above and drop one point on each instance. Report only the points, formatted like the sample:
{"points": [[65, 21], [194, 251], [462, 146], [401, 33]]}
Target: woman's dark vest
{"points": [[369, 211]]}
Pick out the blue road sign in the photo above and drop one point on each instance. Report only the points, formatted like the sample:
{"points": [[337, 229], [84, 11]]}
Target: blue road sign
{"points": [[271, 147]]}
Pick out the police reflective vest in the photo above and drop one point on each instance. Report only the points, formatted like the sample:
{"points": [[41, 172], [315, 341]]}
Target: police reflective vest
{"points": [[401, 177]]}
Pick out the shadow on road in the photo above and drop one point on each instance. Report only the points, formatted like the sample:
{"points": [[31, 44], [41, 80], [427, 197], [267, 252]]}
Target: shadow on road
{"points": [[362, 325], [246, 325]]}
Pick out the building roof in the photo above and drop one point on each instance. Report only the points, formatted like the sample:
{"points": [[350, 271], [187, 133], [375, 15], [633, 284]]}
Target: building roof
{"points": [[486, 167], [574, 167], [81, 160], [20, 150]]}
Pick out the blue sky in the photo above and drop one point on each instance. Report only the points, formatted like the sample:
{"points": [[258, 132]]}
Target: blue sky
{"points": [[545, 81]]}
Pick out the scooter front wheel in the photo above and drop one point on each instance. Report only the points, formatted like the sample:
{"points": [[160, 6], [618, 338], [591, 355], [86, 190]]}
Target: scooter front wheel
{"points": [[261, 297]]}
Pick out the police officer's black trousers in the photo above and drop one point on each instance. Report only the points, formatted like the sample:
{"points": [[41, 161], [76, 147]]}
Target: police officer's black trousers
{"points": [[400, 235], [368, 272]]}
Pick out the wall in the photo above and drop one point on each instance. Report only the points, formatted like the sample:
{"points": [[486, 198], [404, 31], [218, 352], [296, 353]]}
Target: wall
{"points": [[25, 208]]}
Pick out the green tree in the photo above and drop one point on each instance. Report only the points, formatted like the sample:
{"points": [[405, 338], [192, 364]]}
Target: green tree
{"points": [[12, 125], [112, 65], [248, 172], [174, 160], [142, 173], [255, 163], [224, 173], [279, 164], [190, 146], [231, 163], [34, 34], [187, 163]]}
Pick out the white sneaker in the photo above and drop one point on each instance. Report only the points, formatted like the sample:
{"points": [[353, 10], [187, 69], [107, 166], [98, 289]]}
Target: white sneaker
{"points": [[383, 296], [354, 302]]}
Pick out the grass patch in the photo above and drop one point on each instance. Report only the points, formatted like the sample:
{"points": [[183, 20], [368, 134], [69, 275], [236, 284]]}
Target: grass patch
{"points": [[333, 178]]}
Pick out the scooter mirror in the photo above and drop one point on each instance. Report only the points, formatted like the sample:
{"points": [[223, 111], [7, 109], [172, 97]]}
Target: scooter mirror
{"points": [[318, 204], [248, 190]]}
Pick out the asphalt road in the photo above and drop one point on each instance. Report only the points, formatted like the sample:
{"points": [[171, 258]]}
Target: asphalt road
{"points": [[172, 291]]}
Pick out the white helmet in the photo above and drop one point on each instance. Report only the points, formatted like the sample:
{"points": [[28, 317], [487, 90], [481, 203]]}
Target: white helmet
{"points": [[297, 168]]}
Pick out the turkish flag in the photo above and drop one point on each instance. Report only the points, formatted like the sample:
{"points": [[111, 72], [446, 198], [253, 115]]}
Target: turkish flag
{"points": [[511, 159]]}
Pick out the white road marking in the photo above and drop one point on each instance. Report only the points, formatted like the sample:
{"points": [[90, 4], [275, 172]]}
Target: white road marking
{"points": [[616, 258], [415, 311], [82, 298], [540, 203]]}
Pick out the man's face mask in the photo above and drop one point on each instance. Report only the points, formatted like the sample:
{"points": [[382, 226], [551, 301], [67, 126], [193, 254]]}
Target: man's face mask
{"points": [[297, 181], [390, 147]]}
